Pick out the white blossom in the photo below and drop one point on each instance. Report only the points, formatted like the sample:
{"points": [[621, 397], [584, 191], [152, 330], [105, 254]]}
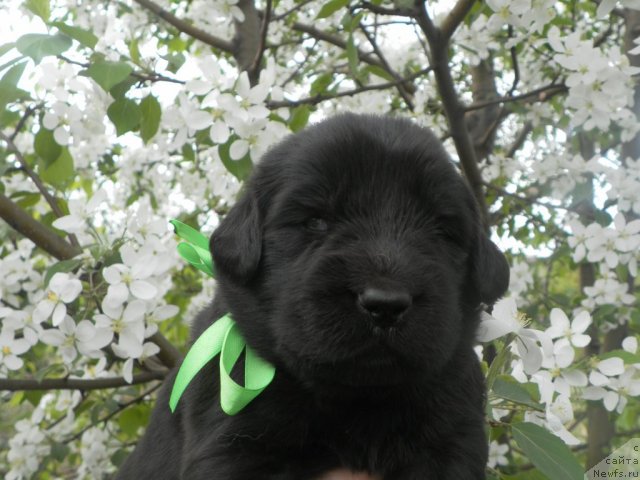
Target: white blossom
{"points": [[529, 343], [63, 289], [80, 213], [71, 338], [10, 349], [574, 331]]}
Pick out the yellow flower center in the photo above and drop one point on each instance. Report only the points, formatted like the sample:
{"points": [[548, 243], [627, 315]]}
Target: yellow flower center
{"points": [[523, 319], [6, 350], [52, 296], [118, 326]]}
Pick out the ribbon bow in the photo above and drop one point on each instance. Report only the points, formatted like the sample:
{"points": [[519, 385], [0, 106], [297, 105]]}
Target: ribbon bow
{"points": [[222, 337]]}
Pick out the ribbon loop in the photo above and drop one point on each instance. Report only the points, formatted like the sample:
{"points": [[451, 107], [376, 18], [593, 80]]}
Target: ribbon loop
{"points": [[222, 337], [195, 248]]}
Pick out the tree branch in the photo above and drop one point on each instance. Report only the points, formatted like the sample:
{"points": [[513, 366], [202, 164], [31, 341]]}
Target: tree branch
{"points": [[24, 166], [51, 243], [254, 69], [519, 140], [39, 234], [186, 27], [169, 355], [439, 47], [11, 384], [455, 17]]}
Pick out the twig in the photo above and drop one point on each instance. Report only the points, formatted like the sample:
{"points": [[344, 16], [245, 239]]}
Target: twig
{"points": [[519, 140], [397, 12], [27, 113], [121, 407], [403, 93], [13, 384], [516, 67], [527, 200], [266, 18], [298, 6], [543, 94], [150, 77], [348, 93], [341, 43], [185, 27]]}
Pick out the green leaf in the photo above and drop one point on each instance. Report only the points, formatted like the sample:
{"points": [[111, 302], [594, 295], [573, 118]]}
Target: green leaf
{"points": [[6, 47], [330, 7], [299, 118], [547, 452], [59, 451], [175, 61], [40, 8], [47, 370], [38, 45], [62, 266], [84, 37], [379, 72], [26, 199], [59, 173], [627, 357], [238, 168], [46, 147], [134, 51], [133, 418], [10, 94], [533, 474], [320, 84], [125, 115], [13, 75], [352, 56], [510, 390], [119, 90], [150, 117], [119, 456], [108, 74]]}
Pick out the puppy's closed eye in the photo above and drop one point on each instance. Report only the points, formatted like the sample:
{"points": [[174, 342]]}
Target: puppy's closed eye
{"points": [[317, 225]]}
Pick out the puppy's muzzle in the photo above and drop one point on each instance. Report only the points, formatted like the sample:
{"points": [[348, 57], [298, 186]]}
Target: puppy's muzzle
{"points": [[385, 306]]}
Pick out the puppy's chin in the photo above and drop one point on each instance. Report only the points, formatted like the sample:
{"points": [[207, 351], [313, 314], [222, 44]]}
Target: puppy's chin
{"points": [[366, 369]]}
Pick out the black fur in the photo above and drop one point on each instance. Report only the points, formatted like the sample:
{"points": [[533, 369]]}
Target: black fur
{"points": [[350, 204]]}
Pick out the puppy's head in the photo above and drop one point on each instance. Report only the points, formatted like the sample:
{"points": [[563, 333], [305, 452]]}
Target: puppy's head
{"points": [[355, 254]]}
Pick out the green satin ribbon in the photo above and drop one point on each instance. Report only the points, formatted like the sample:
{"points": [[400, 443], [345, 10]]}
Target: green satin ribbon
{"points": [[222, 337]]}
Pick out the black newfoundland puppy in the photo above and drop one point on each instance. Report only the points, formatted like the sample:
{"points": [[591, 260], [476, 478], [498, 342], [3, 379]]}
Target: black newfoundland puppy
{"points": [[356, 264]]}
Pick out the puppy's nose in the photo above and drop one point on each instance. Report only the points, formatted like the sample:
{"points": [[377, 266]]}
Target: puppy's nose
{"points": [[384, 305]]}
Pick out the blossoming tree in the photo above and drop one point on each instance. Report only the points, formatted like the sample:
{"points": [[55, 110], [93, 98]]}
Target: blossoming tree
{"points": [[119, 116]]}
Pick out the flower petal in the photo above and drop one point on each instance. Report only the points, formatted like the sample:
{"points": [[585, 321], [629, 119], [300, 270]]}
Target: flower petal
{"points": [[12, 362], [135, 311], [143, 290], [581, 322], [491, 328], [52, 336], [611, 366]]}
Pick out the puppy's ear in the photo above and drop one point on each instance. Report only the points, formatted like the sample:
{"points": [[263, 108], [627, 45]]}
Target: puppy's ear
{"points": [[236, 245], [489, 270]]}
